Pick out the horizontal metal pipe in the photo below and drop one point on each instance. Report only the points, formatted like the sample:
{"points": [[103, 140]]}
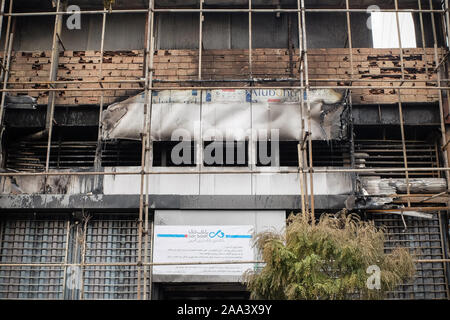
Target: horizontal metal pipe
{"points": [[225, 80], [306, 170], [79, 82], [122, 264], [335, 10], [407, 209], [223, 10], [231, 87]]}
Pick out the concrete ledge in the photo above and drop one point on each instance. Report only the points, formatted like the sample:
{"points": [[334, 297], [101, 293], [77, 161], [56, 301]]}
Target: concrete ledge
{"points": [[108, 202]]}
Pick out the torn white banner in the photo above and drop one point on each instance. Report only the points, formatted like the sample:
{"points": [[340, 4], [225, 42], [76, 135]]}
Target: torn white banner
{"points": [[227, 114]]}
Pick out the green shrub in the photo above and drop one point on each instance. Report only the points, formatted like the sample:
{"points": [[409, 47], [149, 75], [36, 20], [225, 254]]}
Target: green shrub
{"points": [[326, 259]]}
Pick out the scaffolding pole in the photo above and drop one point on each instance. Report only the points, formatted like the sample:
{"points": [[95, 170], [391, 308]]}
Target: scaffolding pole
{"points": [[222, 10], [443, 128], [53, 76], [300, 148], [308, 104], [146, 157], [400, 108], [98, 151], [149, 155]]}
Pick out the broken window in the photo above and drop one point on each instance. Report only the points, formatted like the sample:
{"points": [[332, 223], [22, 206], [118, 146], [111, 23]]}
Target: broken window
{"points": [[385, 32]]}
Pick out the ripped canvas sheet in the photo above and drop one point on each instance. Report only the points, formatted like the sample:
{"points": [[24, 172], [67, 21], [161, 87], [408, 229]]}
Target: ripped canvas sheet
{"points": [[228, 114]]}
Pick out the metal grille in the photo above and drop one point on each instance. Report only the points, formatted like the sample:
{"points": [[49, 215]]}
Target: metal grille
{"points": [[424, 239], [31, 155], [32, 242], [111, 241], [121, 153], [389, 154]]}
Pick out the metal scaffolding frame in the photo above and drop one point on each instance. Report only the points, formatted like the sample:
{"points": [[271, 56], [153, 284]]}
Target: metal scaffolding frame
{"points": [[145, 221]]}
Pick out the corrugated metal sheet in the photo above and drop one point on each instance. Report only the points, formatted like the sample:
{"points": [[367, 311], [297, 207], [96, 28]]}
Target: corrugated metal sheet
{"points": [[113, 239], [32, 241], [423, 238]]}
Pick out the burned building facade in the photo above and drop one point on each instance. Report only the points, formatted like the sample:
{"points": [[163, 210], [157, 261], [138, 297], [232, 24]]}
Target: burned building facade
{"points": [[127, 130]]}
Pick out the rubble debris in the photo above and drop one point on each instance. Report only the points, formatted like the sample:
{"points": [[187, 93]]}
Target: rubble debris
{"points": [[378, 186]]}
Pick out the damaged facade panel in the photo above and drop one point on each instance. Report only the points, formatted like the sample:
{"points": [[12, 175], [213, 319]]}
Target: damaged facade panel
{"points": [[63, 184], [228, 114]]}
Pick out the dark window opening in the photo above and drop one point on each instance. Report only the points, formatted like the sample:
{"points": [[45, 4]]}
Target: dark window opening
{"points": [[325, 154], [286, 155], [382, 147], [26, 149], [225, 154], [174, 154], [330, 154], [121, 153]]}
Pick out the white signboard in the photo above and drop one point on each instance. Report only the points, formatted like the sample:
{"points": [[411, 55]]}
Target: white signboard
{"points": [[203, 244]]}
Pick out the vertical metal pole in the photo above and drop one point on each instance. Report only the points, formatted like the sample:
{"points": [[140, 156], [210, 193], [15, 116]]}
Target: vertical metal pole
{"points": [[349, 33], [8, 27], [2, 11], [350, 48], [441, 112], [6, 63], [402, 64], [143, 204], [5, 80], [301, 157], [149, 155], [200, 51], [252, 139], [441, 108], [400, 107], [405, 158], [422, 32], [52, 77], [308, 103], [76, 254], [200, 41], [83, 255], [98, 155], [447, 19], [66, 255], [250, 45]]}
